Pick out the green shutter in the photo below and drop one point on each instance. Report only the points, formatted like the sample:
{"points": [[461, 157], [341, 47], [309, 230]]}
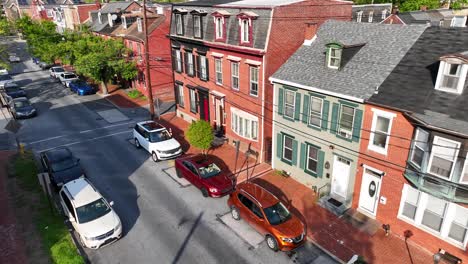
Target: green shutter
{"points": [[334, 118], [326, 106], [280, 101], [279, 146], [302, 156], [357, 125], [297, 107], [305, 109], [294, 152], [321, 160]]}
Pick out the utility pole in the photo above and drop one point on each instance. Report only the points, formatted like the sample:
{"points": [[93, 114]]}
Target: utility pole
{"points": [[147, 64]]}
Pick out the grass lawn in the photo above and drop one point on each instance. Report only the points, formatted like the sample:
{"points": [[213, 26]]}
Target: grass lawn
{"points": [[49, 222]]}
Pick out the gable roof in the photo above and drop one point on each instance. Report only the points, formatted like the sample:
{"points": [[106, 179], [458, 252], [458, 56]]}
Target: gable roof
{"points": [[132, 27], [410, 87], [366, 68]]}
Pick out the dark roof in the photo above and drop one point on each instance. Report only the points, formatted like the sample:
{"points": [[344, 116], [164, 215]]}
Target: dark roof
{"points": [[132, 27], [436, 17], [240, 3], [113, 7], [205, 3], [376, 10], [372, 53], [410, 87]]}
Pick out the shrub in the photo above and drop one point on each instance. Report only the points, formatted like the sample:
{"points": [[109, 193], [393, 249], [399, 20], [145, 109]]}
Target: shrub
{"points": [[134, 94], [200, 135]]}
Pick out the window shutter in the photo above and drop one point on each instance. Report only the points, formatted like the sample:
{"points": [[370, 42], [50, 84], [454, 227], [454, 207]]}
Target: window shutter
{"points": [[185, 62], [280, 100], [182, 61], [334, 119], [207, 68], [197, 68], [279, 145], [297, 107], [294, 152], [197, 103], [174, 63], [302, 157], [326, 106], [305, 110], [357, 125], [321, 161], [176, 89]]}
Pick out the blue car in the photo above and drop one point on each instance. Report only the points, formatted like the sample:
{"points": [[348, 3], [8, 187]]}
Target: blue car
{"points": [[81, 87], [13, 90]]}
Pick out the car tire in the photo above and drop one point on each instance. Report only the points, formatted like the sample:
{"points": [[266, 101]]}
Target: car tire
{"points": [[271, 242], [204, 192], [137, 143], [154, 156], [179, 174], [235, 213]]}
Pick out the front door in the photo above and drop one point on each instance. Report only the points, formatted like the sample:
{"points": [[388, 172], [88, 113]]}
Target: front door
{"points": [[370, 190], [341, 169], [219, 112], [204, 105]]}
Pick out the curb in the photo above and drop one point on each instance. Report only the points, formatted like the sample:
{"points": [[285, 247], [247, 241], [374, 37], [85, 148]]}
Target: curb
{"points": [[311, 240]]}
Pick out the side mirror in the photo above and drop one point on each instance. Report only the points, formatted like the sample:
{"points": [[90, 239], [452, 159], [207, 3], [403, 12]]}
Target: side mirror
{"points": [[71, 219], [111, 203]]}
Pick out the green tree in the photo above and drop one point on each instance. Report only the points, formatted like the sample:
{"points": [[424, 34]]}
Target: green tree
{"points": [[200, 135], [413, 5], [6, 28]]}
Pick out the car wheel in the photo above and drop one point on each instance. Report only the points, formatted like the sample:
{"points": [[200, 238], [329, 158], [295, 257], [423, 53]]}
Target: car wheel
{"points": [[271, 242], [137, 143], [154, 157], [204, 192], [235, 213], [179, 174]]}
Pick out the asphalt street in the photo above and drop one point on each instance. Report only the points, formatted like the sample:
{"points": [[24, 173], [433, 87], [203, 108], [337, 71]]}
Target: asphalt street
{"points": [[162, 221]]}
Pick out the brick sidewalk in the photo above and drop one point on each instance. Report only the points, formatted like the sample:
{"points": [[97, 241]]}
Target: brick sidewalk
{"points": [[11, 243]]}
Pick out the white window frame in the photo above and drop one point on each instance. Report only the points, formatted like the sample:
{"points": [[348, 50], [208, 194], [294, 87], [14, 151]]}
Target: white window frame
{"points": [[100, 18], [139, 25], [454, 161], [452, 22], [244, 124], [219, 71], [197, 31], [359, 16], [384, 14], [371, 17], [417, 222], [219, 23], [203, 62], [253, 81], [193, 100], [190, 64], [180, 89], [350, 134], [124, 22], [284, 147], [443, 68], [334, 57], [178, 61], [245, 30], [293, 105], [419, 130], [311, 113], [179, 24], [235, 75], [308, 157], [464, 170], [387, 115]]}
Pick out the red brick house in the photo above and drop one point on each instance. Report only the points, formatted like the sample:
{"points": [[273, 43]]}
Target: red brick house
{"points": [[223, 53], [413, 173]]}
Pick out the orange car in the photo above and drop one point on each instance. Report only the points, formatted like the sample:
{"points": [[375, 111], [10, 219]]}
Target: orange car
{"points": [[264, 212]]}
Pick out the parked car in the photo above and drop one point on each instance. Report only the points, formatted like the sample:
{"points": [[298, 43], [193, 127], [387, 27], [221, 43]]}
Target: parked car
{"points": [[3, 71], [157, 140], [81, 87], [4, 79], [267, 214], [91, 215], [22, 108], [54, 71], [12, 90], [44, 65], [66, 77], [61, 165], [205, 174], [13, 58]]}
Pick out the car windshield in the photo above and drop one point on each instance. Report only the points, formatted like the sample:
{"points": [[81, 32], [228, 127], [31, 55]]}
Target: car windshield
{"points": [[92, 211], [5, 77], [69, 76], [209, 171], [64, 164], [12, 89], [19, 104], [277, 214], [159, 136], [79, 82], [59, 70]]}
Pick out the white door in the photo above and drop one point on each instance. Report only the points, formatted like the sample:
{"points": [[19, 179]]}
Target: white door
{"points": [[370, 191], [341, 168], [219, 112]]}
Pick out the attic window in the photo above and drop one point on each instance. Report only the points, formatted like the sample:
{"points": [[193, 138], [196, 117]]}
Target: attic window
{"points": [[179, 24], [139, 25], [219, 24], [359, 16], [371, 16], [99, 18], [109, 19], [245, 30], [124, 22], [334, 56], [384, 14], [197, 26], [458, 21], [452, 73]]}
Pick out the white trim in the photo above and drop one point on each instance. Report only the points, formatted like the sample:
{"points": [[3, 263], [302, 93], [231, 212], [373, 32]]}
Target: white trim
{"points": [[252, 62], [465, 166], [310, 111], [432, 156], [379, 113], [273, 136], [371, 17], [309, 42], [244, 114], [359, 16], [233, 58], [461, 78], [372, 168], [284, 146], [377, 194], [217, 55], [318, 90], [293, 104], [418, 130], [218, 94]]}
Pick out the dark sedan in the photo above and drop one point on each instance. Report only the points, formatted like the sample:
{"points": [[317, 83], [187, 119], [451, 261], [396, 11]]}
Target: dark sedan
{"points": [[22, 108], [12, 90], [45, 65], [81, 87], [61, 165]]}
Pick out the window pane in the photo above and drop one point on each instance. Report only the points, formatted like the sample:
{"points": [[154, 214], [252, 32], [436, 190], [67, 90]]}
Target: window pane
{"points": [[434, 213], [347, 116], [254, 129], [441, 167], [459, 224], [465, 171], [312, 159], [380, 140], [411, 203], [241, 126], [316, 105], [409, 210], [382, 124], [247, 128], [315, 121], [417, 156], [288, 142]]}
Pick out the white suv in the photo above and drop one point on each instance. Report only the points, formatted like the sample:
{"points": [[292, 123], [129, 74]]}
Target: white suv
{"points": [[157, 140], [66, 77], [90, 214]]}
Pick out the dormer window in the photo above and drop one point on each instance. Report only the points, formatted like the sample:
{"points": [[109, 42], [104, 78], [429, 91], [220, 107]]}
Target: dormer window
{"points": [[124, 22], [139, 25], [246, 27], [359, 16], [99, 18], [179, 24], [458, 21], [245, 30], [219, 24], [371, 16], [452, 73], [384, 14], [109, 19], [197, 26], [334, 52], [220, 18]]}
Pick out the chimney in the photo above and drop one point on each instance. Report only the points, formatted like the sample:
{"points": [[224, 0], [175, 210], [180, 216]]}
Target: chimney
{"points": [[309, 32], [98, 4], [423, 8], [395, 10]]}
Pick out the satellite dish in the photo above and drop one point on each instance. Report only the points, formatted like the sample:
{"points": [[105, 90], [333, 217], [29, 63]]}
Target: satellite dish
{"points": [[114, 17]]}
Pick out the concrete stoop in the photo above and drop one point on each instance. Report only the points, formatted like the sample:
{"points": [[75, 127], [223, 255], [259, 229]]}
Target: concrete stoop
{"points": [[333, 205]]}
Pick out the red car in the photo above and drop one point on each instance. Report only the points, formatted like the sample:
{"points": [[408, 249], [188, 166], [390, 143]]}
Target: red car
{"points": [[203, 173]]}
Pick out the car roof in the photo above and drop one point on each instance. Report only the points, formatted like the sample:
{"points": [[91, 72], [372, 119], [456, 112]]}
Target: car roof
{"points": [[56, 67], [199, 160], [68, 73], [151, 126], [264, 197], [82, 192], [58, 153]]}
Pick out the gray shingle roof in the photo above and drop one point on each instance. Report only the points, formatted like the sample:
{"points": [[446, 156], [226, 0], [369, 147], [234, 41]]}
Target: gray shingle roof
{"points": [[410, 86], [112, 7], [376, 10], [384, 47]]}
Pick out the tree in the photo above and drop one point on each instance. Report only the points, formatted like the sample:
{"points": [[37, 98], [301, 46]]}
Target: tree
{"points": [[413, 5], [200, 135], [6, 28]]}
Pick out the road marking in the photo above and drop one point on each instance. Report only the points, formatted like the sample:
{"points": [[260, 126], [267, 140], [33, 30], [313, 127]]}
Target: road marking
{"points": [[81, 132], [87, 140]]}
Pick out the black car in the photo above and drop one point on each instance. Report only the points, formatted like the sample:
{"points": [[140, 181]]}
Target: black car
{"points": [[22, 108], [45, 65], [12, 90], [61, 165]]}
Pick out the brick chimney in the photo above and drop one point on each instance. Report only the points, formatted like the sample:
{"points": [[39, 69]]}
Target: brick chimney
{"points": [[309, 32], [98, 4]]}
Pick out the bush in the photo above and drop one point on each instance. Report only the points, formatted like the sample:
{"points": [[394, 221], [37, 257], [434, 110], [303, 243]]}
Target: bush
{"points": [[134, 94], [200, 135]]}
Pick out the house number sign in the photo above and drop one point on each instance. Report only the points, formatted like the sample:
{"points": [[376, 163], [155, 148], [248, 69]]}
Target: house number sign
{"points": [[372, 188]]}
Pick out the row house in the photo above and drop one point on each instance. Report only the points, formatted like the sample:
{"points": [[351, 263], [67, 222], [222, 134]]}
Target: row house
{"points": [[15, 9], [416, 131], [223, 54], [438, 17], [72, 16], [105, 20], [320, 95], [371, 13]]}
